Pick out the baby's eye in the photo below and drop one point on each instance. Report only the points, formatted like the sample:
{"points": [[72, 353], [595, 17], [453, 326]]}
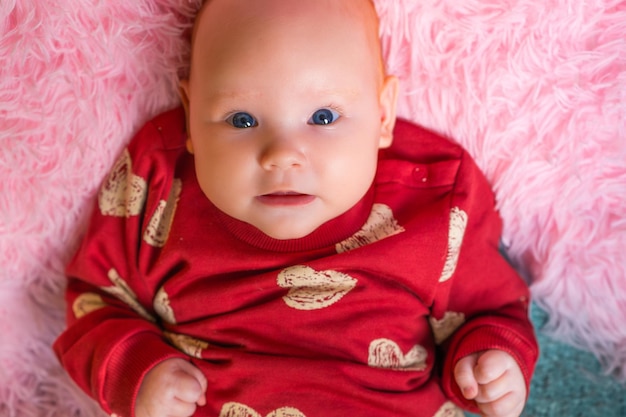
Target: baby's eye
{"points": [[242, 120], [324, 117]]}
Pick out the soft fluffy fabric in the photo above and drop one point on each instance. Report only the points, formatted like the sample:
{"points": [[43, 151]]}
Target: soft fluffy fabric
{"points": [[534, 89]]}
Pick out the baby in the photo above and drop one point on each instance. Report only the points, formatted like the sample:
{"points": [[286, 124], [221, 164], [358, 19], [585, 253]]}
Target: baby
{"points": [[283, 246]]}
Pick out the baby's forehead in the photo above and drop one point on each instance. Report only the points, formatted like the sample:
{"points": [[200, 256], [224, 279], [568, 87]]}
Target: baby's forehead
{"points": [[226, 27], [356, 11]]}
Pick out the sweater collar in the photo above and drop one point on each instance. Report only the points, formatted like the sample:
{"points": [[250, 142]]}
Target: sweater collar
{"points": [[328, 234]]}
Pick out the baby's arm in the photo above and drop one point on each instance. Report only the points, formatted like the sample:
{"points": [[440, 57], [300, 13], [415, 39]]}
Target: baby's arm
{"points": [[114, 335], [485, 304], [494, 380], [173, 388]]}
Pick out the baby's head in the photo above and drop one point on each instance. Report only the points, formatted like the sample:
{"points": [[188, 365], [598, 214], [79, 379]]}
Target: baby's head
{"points": [[287, 106]]}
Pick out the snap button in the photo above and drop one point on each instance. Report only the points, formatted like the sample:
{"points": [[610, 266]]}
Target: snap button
{"points": [[420, 174]]}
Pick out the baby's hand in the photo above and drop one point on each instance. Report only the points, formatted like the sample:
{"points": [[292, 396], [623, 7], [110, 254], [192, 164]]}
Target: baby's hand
{"points": [[173, 388], [494, 380]]}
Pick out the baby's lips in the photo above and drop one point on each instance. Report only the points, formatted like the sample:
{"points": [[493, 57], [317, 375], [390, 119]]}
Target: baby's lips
{"points": [[286, 198]]}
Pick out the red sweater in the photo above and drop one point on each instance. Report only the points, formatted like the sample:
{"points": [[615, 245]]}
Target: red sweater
{"points": [[365, 317]]}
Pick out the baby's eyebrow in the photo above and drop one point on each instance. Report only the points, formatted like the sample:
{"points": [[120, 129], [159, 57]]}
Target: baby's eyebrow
{"points": [[315, 92], [335, 92], [234, 94]]}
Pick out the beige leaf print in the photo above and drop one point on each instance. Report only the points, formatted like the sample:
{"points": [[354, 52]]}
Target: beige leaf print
{"points": [[312, 290], [449, 409], [160, 224], [123, 193], [123, 292], [234, 409], [385, 353], [446, 326], [86, 303], [457, 226], [187, 344], [380, 225], [163, 308]]}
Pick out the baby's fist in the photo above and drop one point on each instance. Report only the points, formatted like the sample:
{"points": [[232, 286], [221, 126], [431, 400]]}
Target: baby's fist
{"points": [[494, 380], [173, 388]]}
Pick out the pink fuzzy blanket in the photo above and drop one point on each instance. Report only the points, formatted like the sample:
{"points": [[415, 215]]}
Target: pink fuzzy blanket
{"points": [[534, 89]]}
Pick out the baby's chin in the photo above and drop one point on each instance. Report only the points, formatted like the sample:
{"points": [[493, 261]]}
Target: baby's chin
{"points": [[290, 230], [288, 233]]}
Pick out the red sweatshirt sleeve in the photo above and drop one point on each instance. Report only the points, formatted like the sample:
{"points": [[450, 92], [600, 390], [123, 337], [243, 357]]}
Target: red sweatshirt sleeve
{"points": [[480, 295], [113, 337]]}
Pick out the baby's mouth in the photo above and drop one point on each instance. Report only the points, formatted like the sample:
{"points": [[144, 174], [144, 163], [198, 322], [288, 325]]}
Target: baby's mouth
{"points": [[286, 198]]}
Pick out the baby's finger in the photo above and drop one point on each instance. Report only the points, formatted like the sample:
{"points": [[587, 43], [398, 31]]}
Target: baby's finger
{"points": [[178, 408], [188, 389], [492, 365], [193, 371], [494, 390], [464, 376], [508, 406]]}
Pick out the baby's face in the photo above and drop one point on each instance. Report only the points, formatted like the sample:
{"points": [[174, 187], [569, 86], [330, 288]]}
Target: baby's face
{"points": [[287, 108]]}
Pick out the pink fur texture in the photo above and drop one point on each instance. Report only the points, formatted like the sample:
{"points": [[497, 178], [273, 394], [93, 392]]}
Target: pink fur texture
{"points": [[534, 89]]}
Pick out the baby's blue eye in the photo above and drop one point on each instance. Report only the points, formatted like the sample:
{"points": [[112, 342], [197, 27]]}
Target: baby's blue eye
{"points": [[242, 120], [324, 117]]}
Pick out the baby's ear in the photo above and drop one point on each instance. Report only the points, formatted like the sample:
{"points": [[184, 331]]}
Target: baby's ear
{"points": [[388, 104], [183, 91]]}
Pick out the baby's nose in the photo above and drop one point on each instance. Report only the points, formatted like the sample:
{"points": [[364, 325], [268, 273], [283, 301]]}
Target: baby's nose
{"points": [[282, 154]]}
